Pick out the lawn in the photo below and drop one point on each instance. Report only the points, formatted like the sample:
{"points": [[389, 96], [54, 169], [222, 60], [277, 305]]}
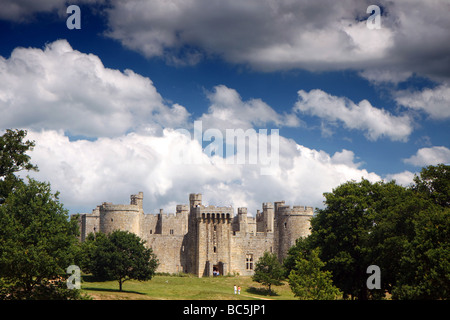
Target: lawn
{"points": [[184, 288]]}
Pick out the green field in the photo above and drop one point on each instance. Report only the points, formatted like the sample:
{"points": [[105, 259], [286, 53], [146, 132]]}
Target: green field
{"points": [[184, 288]]}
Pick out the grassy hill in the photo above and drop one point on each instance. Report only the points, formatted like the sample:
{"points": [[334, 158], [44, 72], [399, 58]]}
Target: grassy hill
{"points": [[183, 288]]}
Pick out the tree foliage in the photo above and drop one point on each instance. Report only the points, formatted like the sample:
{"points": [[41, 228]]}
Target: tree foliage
{"points": [[121, 256], [309, 282], [36, 243], [268, 271], [13, 159], [403, 230]]}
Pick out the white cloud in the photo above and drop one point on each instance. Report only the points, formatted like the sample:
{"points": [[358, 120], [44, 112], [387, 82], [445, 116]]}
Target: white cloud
{"points": [[433, 101], [110, 169], [375, 122], [430, 156], [228, 111], [61, 88], [404, 178]]}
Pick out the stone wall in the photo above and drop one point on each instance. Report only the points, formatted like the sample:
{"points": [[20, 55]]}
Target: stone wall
{"points": [[202, 239]]}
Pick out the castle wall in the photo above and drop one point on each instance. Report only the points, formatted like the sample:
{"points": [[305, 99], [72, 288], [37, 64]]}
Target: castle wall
{"points": [[202, 239], [89, 223], [168, 250], [246, 249]]}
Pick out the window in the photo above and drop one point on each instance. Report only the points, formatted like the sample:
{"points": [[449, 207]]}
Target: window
{"points": [[171, 231], [249, 262]]}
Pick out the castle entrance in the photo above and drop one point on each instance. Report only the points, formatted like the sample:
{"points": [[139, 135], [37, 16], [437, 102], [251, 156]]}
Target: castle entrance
{"points": [[217, 270]]}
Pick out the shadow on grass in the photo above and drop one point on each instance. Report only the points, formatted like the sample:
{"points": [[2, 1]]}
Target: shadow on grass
{"points": [[112, 290], [262, 291], [90, 278]]}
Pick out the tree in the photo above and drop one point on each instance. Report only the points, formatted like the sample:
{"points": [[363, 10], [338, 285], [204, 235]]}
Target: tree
{"points": [[434, 183], [404, 231], [268, 271], [13, 158], [301, 249], [425, 266], [122, 256], [341, 230], [37, 243], [309, 282]]}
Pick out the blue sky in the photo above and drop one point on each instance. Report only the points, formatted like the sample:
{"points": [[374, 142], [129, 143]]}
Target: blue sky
{"points": [[348, 101]]}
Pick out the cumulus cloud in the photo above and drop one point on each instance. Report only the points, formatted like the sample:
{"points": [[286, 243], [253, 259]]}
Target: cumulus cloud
{"points": [[110, 169], [58, 90], [434, 102], [59, 87], [429, 156], [278, 35], [363, 116], [405, 178], [228, 110]]}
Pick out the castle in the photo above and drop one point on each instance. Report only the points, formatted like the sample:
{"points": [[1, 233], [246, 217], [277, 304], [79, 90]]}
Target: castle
{"points": [[205, 240]]}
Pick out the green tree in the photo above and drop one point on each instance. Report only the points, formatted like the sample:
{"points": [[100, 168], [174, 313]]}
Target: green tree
{"points": [[122, 256], [342, 230], [301, 249], [13, 159], [434, 183], [309, 282], [404, 231], [37, 243], [425, 266], [268, 271]]}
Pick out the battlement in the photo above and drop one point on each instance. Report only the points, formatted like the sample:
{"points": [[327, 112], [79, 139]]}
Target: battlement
{"points": [[108, 206], [182, 208], [242, 211], [267, 205], [295, 210]]}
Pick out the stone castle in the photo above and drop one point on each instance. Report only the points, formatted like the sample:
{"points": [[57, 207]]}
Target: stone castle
{"points": [[205, 240]]}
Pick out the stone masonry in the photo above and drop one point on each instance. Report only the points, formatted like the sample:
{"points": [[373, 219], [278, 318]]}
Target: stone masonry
{"points": [[205, 240]]}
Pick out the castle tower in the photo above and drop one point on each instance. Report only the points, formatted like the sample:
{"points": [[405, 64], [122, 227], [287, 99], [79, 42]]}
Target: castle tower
{"points": [[268, 217], [138, 200], [124, 217], [183, 213], [195, 199], [292, 223], [242, 219]]}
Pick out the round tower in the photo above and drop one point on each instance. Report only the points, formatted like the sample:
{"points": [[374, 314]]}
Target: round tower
{"points": [[120, 217], [293, 223]]}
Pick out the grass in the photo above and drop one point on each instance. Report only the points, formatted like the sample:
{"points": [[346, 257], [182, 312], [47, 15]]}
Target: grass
{"points": [[184, 288]]}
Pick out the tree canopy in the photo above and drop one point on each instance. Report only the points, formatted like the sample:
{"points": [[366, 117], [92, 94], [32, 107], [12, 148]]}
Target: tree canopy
{"points": [[121, 256], [37, 243], [13, 159], [403, 230], [268, 270]]}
